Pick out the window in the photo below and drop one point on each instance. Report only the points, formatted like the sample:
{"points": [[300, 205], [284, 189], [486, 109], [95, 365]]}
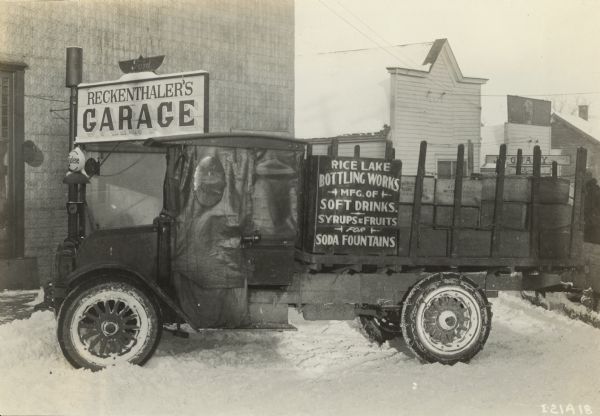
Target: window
{"points": [[128, 190], [446, 169], [209, 181]]}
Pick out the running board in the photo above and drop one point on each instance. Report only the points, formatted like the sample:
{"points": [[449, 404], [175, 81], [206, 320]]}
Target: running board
{"points": [[268, 327]]}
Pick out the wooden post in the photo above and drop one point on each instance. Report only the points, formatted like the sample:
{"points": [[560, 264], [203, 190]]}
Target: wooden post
{"points": [[470, 158], [332, 150], [498, 201], [537, 161], [416, 211], [397, 203], [576, 222], [519, 161], [458, 182], [389, 151], [534, 236], [305, 198], [357, 151]]}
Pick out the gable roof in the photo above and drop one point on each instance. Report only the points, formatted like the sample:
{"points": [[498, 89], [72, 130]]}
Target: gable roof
{"points": [[347, 91], [434, 51], [591, 130]]}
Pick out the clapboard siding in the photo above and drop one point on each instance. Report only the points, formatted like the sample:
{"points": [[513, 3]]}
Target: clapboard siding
{"points": [[438, 108], [525, 137]]}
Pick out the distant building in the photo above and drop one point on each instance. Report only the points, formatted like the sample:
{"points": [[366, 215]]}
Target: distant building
{"points": [[371, 144], [558, 134], [418, 89], [572, 131], [528, 126], [432, 100]]}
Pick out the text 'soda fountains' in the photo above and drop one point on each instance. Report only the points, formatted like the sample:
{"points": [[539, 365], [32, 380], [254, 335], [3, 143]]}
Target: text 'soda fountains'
{"points": [[74, 178]]}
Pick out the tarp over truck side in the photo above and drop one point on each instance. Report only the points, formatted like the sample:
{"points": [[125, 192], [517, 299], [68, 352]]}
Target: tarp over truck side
{"points": [[217, 195], [206, 189]]}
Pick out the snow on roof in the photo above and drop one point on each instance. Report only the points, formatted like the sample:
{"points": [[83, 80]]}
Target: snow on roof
{"points": [[590, 128], [348, 91]]}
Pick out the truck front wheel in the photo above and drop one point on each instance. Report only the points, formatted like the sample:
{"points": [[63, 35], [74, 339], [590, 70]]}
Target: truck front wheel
{"points": [[108, 322], [446, 319]]}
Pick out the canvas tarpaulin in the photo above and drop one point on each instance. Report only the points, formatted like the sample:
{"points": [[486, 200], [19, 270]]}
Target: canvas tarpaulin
{"points": [[217, 195], [207, 194]]}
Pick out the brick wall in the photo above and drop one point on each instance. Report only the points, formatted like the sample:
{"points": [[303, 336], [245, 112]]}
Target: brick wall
{"points": [[246, 45]]}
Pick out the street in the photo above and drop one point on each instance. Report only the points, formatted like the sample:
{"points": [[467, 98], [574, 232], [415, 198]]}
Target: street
{"points": [[535, 362]]}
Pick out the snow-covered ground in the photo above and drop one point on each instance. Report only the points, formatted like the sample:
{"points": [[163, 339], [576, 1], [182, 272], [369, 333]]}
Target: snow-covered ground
{"points": [[534, 359]]}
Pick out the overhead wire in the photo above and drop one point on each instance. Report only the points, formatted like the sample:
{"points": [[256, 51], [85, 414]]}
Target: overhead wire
{"points": [[361, 32], [431, 81], [404, 59], [408, 59]]}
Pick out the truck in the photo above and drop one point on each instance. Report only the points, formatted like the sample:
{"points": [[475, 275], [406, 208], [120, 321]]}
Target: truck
{"points": [[253, 224]]}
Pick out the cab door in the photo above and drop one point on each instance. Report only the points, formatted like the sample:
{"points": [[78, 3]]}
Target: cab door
{"points": [[269, 237]]}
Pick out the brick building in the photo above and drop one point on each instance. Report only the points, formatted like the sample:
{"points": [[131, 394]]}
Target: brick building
{"points": [[247, 47]]}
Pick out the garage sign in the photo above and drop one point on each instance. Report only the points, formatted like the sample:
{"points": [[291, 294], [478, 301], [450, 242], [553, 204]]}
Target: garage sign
{"points": [[137, 109]]}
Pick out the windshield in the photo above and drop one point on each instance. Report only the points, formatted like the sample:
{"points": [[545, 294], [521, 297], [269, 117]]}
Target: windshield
{"points": [[128, 191]]}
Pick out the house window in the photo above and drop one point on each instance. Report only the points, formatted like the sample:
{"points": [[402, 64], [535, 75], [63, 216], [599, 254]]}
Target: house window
{"points": [[446, 169]]}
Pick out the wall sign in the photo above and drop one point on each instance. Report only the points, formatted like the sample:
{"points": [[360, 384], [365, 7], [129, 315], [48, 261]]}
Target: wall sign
{"points": [[511, 160], [522, 110], [356, 205], [137, 109]]}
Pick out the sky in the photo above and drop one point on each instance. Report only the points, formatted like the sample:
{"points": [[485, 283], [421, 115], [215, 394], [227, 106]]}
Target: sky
{"points": [[531, 48]]}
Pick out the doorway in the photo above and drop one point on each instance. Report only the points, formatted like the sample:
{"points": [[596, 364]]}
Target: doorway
{"points": [[12, 167]]}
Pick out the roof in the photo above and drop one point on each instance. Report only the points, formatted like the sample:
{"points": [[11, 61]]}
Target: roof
{"points": [[590, 129], [380, 135], [242, 140], [428, 60], [346, 91]]}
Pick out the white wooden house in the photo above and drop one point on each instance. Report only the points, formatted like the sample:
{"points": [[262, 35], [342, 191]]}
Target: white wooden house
{"points": [[416, 88], [432, 100]]}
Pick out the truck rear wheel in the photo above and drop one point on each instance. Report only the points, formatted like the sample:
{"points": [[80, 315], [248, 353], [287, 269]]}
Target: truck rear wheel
{"points": [[446, 319], [108, 322]]}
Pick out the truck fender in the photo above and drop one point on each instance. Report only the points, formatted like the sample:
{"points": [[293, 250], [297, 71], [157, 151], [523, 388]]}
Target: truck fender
{"points": [[89, 271]]}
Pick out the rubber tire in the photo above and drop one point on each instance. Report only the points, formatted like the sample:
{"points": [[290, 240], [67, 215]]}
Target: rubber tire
{"points": [[415, 298], [88, 290], [374, 332]]}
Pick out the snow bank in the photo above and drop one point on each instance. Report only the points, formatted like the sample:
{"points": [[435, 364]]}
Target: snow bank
{"points": [[533, 358]]}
